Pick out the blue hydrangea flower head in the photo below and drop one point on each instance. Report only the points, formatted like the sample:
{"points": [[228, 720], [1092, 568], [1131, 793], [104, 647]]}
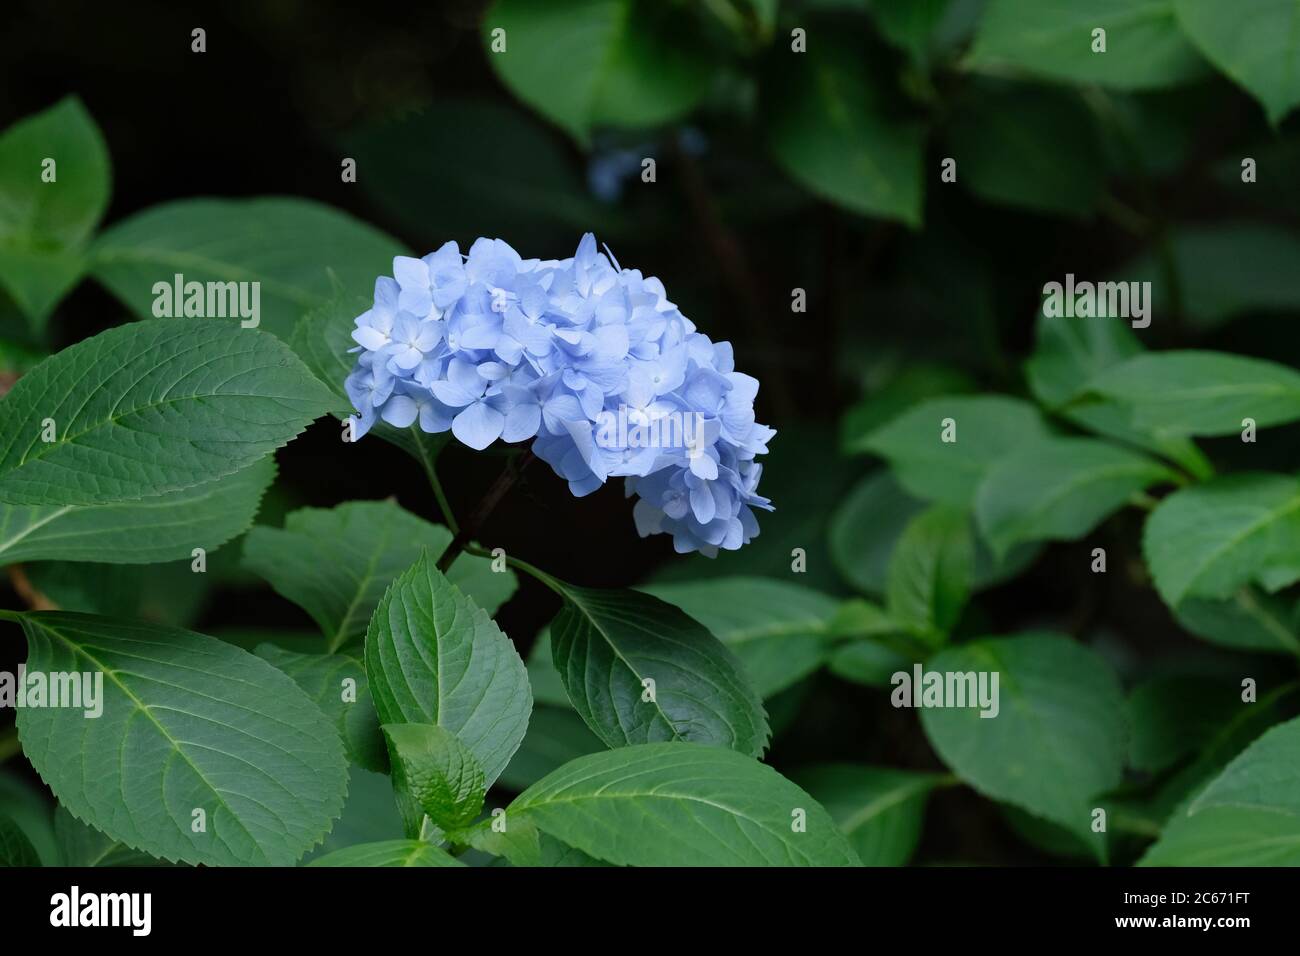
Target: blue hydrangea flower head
{"points": [[590, 361]]}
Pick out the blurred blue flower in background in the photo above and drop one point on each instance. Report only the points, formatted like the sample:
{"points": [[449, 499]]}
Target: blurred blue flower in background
{"points": [[590, 360]]}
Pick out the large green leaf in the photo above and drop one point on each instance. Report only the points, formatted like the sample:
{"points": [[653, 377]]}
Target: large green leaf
{"points": [[879, 809], [1057, 742], [44, 226], [389, 853], [164, 528], [1256, 43], [148, 408], [1068, 354], [1224, 271], [1053, 38], [1249, 620], [1247, 816], [828, 129], [335, 563], [679, 804], [433, 656], [985, 428], [82, 845], [1059, 490], [555, 736], [1227, 836], [778, 629], [299, 251], [188, 723], [1201, 393], [336, 683], [626, 63], [866, 529], [1265, 776], [639, 670], [438, 773], [15, 848], [1209, 540], [930, 572], [1058, 167]]}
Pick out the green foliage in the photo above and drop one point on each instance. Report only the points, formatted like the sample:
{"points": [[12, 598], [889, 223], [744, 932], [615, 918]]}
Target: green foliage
{"points": [[191, 400], [1057, 742], [336, 563], [48, 212], [1054, 39], [183, 715], [674, 804], [389, 853], [433, 656], [639, 671], [299, 251], [437, 773]]}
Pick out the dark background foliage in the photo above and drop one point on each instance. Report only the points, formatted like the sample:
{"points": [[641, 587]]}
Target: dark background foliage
{"points": [[445, 151]]}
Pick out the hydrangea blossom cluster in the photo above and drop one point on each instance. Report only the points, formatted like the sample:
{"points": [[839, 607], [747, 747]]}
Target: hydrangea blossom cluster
{"points": [[589, 360]]}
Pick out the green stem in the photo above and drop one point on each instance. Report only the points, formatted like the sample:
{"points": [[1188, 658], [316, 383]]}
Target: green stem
{"points": [[427, 462], [9, 745], [529, 569], [7, 615]]}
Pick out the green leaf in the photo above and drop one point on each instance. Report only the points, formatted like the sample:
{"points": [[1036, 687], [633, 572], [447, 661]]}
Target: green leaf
{"points": [[336, 563], [626, 63], [370, 815], [880, 810], [83, 846], [607, 645], [44, 226], [435, 770], [185, 718], [930, 573], [986, 428], [1170, 718], [1059, 490], [15, 848], [1059, 166], [299, 251], [1224, 271], [1256, 45], [1054, 39], [32, 812], [1057, 741], [678, 804], [1248, 816], [778, 629], [910, 26], [1249, 620], [164, 528], [866, 528], [1068, 355], [522, 844], [1208, 540], [336, 683], [867, 662], [171, 593], [151, 407], [827, 127], [433, 656], [1265, 776], [555, 736], [1201, 393], [389, 853], [1227, 836]]}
